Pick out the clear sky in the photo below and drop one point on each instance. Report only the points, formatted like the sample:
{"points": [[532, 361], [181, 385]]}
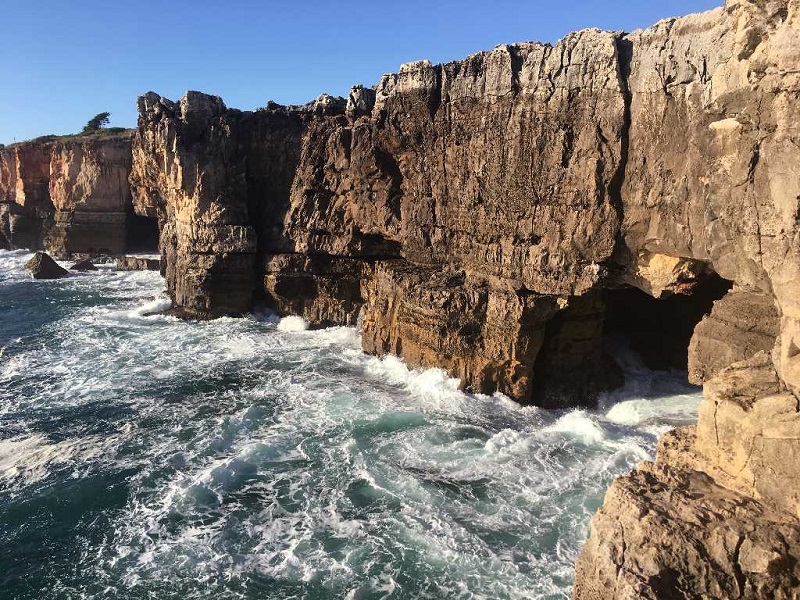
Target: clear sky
{"points": [[64, 61]]}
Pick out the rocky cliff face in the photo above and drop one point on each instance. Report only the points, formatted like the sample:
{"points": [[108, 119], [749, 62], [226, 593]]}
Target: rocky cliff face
{"points": [[67, 195], [218, 180], [712, 176], [496, 215], [502, 171]]}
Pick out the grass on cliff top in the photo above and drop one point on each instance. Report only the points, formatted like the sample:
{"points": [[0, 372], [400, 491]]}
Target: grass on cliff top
{"points": [[101, 134]]}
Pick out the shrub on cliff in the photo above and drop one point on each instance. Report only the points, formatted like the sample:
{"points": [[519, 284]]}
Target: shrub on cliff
{"points": [[96, 122]]}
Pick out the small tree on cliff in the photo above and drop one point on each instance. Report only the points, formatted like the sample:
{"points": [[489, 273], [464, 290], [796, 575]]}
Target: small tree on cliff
{"points": [[96, 122]]}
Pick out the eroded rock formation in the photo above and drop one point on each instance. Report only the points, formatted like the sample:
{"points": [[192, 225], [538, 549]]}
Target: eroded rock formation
{"points": [[67, 195], [502, 172], [216, 179], [712, 176], [479, 215]]}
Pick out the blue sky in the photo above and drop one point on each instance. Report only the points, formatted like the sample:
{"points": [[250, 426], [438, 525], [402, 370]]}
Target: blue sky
{"points": [[63, 62]]}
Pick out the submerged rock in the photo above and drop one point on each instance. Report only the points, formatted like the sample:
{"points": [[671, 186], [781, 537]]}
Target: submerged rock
{"points": [[83, 265], [42, 266]]}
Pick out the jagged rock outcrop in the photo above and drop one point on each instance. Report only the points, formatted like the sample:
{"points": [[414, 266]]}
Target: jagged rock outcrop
{"points": [[215, 178], [67, 195], [26, 211], [666, 533], [739, 326], [90, 194], [505, 166], [42, 266], [711, 176], [488, 216], [716, 515], [325, 290]]}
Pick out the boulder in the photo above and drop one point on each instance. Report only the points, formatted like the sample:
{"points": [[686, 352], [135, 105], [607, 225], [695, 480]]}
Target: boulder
{"points": [[42, 266], [83, 265]]}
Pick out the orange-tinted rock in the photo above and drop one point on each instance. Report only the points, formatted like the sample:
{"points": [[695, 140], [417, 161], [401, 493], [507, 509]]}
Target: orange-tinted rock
{"points": [[68, 195]]}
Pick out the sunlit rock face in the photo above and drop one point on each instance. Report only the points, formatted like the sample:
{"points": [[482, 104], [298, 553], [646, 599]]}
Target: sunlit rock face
{"points": [[67, 195], [711, 176], [496, 216], [215, 178], [504, 167]]}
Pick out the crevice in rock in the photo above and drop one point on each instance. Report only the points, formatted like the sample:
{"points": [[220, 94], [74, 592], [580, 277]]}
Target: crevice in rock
{"points": [[141, 233], [741, 580], [624, 59], [659, 330]]}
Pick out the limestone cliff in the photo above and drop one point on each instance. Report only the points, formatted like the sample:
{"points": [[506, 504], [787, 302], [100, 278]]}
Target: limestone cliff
{"points": [[495, 216], [712, 176], [501, 171], [67, 195], [218, 180]]}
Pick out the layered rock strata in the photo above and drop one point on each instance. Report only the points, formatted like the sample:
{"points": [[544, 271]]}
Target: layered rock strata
{"points": [[474, 216], [216, 179], [67, 195], [501, 171], [712, 175]]}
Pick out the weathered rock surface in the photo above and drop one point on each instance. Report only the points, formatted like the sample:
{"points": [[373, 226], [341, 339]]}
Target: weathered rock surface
{"points": [[505, 163], [21, 228], [83, 265], [488, 336], [712, 145], [716, 515], [504, 166], [42, 266], [216, 179], [749, 429], [739, 326], [324, 290], [67, 195], [91, 195], [672, 533]]}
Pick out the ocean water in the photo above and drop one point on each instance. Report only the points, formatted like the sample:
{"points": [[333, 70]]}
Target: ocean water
{"points": [[146, 457]]}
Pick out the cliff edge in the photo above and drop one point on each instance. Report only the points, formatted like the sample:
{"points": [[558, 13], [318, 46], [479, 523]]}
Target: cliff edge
{"points": [[499, 216]]}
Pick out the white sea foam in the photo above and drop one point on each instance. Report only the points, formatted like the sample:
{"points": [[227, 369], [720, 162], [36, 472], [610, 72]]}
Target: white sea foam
{"points": [[580, 424], [252, 457], [157, 305], [293, 324], [26, 460]]}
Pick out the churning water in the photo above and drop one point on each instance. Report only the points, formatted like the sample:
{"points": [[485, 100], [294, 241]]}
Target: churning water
{"points": [[146, 457]]}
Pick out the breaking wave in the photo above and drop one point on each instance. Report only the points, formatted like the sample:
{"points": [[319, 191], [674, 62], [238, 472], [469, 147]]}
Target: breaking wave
{"points": [[142, 456]]}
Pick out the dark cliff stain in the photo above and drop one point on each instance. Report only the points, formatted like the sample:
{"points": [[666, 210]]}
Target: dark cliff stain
{"points": [[624, 58]]}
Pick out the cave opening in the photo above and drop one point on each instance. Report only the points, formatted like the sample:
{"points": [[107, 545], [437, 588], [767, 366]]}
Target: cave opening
{"points": [[141, 234], [659, 329]]}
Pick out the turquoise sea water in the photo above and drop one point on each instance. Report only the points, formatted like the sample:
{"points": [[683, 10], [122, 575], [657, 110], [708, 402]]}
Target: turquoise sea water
{"points": [[146, 457]]}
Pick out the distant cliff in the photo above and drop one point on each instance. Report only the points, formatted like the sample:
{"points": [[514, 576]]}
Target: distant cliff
{"points": [[69, 195]]}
